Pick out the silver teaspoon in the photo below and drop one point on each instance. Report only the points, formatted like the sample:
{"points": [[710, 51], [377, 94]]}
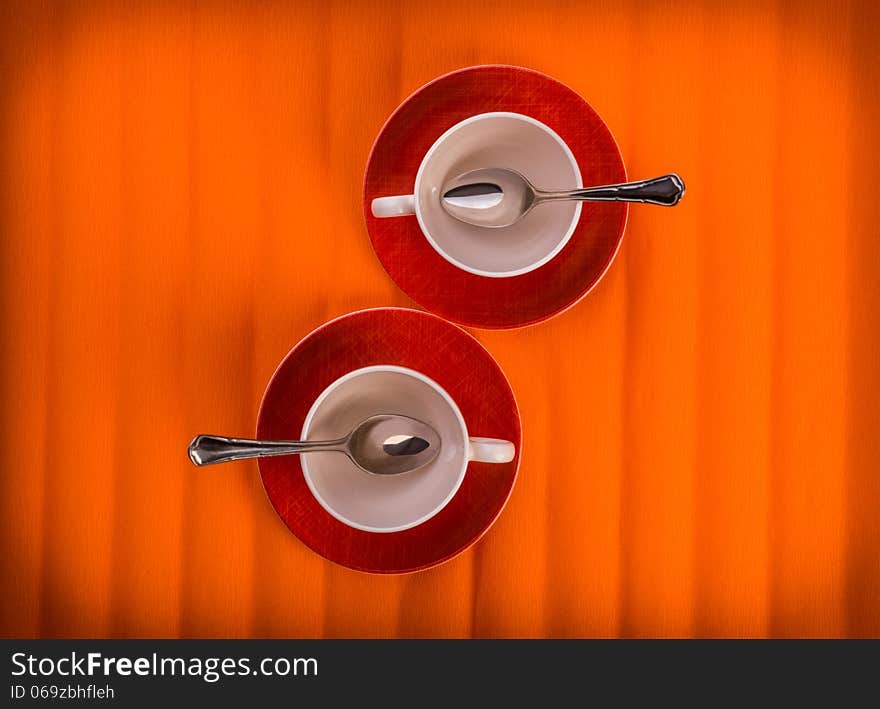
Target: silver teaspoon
{"points": [[498, 197], [380, 445]]}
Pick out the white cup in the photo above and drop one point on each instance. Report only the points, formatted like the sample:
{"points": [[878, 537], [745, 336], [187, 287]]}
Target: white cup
{"points": [[390, 503], [506, 140]]}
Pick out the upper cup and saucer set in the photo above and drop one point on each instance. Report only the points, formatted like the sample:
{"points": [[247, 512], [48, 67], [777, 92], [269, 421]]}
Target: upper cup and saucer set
{"points": [[337, 382]]}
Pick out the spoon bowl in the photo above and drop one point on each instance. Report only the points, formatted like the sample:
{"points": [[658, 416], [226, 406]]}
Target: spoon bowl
{"points": [[380, 445], [492, 197]]}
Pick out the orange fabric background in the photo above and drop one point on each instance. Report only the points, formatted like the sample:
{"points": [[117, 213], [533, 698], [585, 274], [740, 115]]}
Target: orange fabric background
{"points": [[180, 203]]}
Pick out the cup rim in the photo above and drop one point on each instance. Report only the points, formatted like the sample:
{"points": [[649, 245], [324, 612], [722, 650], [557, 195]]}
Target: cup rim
{"points": [[473, 119], [400, 370]]}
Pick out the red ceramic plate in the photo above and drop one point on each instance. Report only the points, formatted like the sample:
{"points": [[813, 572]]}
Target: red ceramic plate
{"points": [[441, 351], [436, 284]]}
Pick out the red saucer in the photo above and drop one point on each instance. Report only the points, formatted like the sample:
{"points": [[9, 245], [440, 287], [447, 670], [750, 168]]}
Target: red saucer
{"points": [[443, 352], [436, 284]]}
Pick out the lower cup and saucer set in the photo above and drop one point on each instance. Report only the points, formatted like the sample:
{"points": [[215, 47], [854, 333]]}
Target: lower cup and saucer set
{"points": [[495, 197]]}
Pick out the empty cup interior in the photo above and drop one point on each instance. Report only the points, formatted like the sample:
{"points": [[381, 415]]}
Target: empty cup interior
{"points": [[386, 503], [505, 140]]}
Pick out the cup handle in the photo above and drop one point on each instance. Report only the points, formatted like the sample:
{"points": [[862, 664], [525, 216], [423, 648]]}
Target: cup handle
{"points": [[398, 206], [490, 450]]}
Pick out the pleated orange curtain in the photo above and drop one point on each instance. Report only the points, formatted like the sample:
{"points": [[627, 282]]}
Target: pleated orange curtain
{"points": [[180, 203]]}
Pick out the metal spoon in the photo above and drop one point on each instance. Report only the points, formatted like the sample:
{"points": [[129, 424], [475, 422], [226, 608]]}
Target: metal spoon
{"points": [[498, 197], [380, 445]]}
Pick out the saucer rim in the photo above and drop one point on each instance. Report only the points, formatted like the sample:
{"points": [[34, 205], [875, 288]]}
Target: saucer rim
{"points": [[455, 318], [489, 523]]}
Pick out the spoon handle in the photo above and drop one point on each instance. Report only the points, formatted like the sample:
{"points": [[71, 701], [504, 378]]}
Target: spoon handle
{"points": [[665, 191], [207, 450]]}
